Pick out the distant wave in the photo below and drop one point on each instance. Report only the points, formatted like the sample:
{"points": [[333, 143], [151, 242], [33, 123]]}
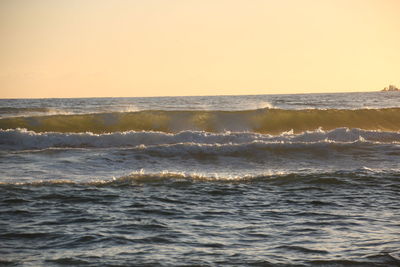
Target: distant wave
{"points": [[271, 121], [22, 139], [278, 178], [8, 110]]}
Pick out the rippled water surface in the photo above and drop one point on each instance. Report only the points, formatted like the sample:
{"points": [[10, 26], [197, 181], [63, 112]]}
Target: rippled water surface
{"points": [[273, 180]]}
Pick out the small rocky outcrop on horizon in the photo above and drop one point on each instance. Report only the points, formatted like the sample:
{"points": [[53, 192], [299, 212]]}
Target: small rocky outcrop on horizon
{"points": [[391, 88]]}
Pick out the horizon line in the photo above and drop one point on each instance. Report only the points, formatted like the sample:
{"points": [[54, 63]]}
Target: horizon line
{"points": [[165, 96]]}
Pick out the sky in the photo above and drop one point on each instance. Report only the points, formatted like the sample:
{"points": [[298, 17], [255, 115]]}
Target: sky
{"points": [[122, 48]]}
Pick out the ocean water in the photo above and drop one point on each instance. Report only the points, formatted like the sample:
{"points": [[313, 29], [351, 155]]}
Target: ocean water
{"points": [[258, 180]]}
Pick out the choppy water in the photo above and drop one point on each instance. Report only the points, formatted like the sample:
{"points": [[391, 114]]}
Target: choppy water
{"points": [[270, 180]]}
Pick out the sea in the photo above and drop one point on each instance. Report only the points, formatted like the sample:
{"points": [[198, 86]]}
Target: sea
{"points": [[247, 180]]}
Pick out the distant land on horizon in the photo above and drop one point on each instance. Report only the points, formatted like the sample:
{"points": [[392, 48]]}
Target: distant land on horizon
{"points": [[391, 88]]}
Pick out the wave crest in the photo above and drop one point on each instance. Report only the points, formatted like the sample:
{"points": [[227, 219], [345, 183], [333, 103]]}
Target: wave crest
{"points": [[277, 178], [271, 121]]}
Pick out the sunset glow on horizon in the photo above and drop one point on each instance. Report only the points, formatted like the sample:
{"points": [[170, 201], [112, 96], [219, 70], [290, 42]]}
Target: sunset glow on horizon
{"points": [[169, 48]]}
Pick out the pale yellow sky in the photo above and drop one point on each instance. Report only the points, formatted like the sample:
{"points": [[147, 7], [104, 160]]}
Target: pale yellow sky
{"points": [[94, 48]]}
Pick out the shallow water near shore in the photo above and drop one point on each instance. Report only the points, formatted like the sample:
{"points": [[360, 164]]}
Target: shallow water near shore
{"points": [[271, 180]]}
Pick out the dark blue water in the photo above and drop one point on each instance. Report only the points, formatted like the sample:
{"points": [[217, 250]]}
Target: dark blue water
{"points": [[198, 198]]}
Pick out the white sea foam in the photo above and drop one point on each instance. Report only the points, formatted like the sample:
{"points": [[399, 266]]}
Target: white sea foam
{"points": [[22, 139]]}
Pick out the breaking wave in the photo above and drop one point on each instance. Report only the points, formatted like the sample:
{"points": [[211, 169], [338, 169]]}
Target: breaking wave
{"points": [[266, 121], [22, 139], [280, 178]]}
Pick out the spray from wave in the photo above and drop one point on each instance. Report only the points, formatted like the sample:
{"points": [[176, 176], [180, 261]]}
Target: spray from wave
{"points": [[9, 112]]}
